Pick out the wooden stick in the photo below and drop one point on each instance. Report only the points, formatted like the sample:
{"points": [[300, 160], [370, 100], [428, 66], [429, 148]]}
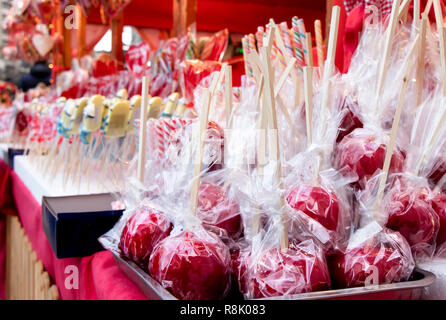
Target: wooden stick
{"points": [[284, 76], [332, 41], [204, 118], [427, 9], [441, 35], [143, 130], [228, 93], [274, 147], [391, 144], [390, 33], [310, 49], [416, 13], [421, 60], [308, 86], [402, 12]]}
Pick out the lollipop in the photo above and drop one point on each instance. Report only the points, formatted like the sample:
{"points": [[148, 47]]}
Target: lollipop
{"points": [[142, 232], [382, 258]]}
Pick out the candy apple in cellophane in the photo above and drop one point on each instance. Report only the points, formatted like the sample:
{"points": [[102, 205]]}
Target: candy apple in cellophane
{"points": [[375, 255], [362, 151], [317, 196], [264, 270]]}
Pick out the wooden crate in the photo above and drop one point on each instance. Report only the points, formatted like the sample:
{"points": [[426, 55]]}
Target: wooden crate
{"points": [[26, 278]]}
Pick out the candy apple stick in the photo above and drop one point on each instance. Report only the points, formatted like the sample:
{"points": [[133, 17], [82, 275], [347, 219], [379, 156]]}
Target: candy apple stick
{"points": [[428, 8], [402, 12], [416, 13], [394, 131], [331, 54], [390, 33], [308, 87], [332, 40], [228, 93], [284, 76], [203, 119], [274, 146], [441, 36], [421, 60], [143, 130]]}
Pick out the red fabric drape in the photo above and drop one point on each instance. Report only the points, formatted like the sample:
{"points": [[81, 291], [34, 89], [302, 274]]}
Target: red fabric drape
{"points": [[94, 33]]}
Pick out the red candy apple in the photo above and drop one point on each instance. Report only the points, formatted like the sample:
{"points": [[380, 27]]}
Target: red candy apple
{"points": [[438, 171], [192, 267], [362, 154], [316, 202], [350, 121], [142, 233], [215, 208], [385, 258], [411, 214], [439, 205], [299, 269]]}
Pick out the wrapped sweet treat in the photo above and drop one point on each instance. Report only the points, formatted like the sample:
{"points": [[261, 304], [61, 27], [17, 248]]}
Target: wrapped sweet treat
{"points": [[374, 256], [142, 232], [299, 269], [410, 213], [192, 266], [317, 195], [216, 208], [362, 151]]}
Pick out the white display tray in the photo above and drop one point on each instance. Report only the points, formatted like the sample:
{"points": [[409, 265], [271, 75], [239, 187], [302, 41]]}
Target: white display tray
{"points": [[40, 186]]}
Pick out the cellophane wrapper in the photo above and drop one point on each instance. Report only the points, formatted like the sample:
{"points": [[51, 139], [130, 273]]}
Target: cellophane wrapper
{"points": [[375, 255]]}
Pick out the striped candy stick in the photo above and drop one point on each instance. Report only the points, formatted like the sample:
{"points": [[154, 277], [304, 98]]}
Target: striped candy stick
{"points": [[248, 67], [251, 42], [275, 52], [283, 29], [303, 39], [259, 36], [297, 43], [319, 44]]}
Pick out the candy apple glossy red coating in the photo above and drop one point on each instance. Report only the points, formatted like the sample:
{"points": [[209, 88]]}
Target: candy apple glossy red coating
{"points": [[215, 208], [437, 173], [361, 154], [375, 261], [141, 234], [301, 268], [316, 202], [410, 213], [296, 270], [192, 266], [350, 121], [439, 205]]}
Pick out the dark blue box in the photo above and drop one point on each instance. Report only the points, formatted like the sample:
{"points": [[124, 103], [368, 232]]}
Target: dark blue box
{"points": [[73, 224], [12, 153]]}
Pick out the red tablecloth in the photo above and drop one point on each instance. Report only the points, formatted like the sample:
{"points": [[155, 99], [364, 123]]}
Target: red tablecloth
{"points": [[99, 277]]}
